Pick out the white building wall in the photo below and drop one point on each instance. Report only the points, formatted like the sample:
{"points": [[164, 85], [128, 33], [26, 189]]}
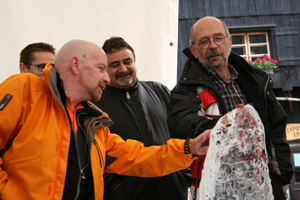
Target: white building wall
{"points": [[148, 26]]}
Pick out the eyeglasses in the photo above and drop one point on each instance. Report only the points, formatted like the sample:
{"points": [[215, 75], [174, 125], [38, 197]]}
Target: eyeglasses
{"points": [[217, 40], [40, 66]]}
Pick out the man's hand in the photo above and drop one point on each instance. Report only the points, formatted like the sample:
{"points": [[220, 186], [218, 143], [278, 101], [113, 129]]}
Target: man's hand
{"points": [[199, 145]]}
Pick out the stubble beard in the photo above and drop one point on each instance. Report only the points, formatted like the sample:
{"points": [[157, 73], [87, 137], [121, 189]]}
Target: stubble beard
{"points": [[210, 65], [93, 93], [125, 82]]}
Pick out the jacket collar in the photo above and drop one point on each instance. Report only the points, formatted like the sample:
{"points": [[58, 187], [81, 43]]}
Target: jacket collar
{"points": [[193, 68]]}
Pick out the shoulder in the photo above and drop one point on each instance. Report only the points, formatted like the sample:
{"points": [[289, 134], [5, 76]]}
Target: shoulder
{"points": [[155, 86], [24, 82]]}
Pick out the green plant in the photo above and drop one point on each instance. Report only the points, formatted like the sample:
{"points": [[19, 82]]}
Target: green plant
{"points": [[265, 63]]}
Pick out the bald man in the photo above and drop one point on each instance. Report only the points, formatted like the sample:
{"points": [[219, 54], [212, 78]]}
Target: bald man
{"points": [[214, 81], [56, 145]]}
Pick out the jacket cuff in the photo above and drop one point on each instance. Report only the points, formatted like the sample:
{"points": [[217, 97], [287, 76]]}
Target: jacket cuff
{"points": [[187, 143]]}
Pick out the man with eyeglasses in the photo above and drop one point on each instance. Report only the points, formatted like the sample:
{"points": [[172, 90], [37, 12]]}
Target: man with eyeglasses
{"points": [[55, 144], [35, 56], [213, 82]]}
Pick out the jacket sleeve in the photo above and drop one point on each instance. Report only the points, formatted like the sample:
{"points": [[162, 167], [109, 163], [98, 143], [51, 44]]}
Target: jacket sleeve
{"points": [[133, 159], [9, 118], [185, 114], [280, 148]]}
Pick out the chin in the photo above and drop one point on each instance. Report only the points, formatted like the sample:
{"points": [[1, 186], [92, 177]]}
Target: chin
{"points": [[125, 83]]}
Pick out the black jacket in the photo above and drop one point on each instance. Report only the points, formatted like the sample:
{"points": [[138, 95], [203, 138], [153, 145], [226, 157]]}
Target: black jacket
{"points": [[186, 119], [140, 113]]}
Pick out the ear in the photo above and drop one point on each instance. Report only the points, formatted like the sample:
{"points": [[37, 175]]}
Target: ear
{"points": [[74, 64], [193, 51], [23, 68]]}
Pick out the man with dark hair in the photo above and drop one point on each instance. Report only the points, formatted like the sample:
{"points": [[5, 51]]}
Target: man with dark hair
{"points": [[214, 81], [35, 56], [139, 111], [55, 144]]}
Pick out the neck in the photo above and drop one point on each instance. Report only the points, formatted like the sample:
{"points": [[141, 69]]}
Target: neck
{"points": [[73, 91], [223, 72]]}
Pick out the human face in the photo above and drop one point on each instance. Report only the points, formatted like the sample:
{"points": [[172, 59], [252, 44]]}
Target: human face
{"points": [[215, 56], [121, 68], [93, 74], [40, 57]]}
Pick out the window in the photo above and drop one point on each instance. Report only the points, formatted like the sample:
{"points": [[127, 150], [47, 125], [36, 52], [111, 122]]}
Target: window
{"points": [[296, 158], [250, 45]]}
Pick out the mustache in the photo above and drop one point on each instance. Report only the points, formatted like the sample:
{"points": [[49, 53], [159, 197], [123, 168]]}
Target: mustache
{"points": [[123, 74], [214, 53]]}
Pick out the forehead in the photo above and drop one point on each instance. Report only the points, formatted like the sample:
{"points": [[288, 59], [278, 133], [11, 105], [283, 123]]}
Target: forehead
{"points": [[208, 27], [42, 56], [119, 55]]}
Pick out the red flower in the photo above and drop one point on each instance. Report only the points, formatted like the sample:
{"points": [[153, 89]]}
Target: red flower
{"points": [[249, 61], [263, 60], [266, 56], [271, 60], [276, 61]]}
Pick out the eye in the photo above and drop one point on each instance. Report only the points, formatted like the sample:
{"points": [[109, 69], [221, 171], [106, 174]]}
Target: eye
{"points": [[101, 68], [114, 65], [42, 66], [218, 39], [127, 62], [204, 42]]}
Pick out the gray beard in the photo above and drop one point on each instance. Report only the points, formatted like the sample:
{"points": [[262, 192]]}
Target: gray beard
{"points": [[125, 82], [209, 65]]}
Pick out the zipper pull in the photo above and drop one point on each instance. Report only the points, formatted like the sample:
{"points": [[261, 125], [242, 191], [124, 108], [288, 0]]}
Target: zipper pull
{"points": [[82, 174], [127, 95]]}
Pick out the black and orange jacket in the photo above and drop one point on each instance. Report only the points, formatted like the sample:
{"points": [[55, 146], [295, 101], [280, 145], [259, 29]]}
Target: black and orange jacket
{"points": [[35, 166]]}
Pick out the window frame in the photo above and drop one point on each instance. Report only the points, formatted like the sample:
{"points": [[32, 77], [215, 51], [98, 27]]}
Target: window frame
{"points": [[248, 45]]}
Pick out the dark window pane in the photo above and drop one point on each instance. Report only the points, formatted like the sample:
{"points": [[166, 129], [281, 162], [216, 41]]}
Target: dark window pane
{"points": [[238, 50], [259, 50], [260, 38], [238, 39]]}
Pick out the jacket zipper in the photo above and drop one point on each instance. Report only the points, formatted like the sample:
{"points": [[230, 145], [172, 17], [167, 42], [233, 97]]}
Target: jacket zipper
{"points": [[78, 159], [99, 152], [74, 135], [127, 94]]}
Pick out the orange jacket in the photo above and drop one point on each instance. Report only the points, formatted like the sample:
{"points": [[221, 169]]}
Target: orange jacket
{"points": [[35, 165]]}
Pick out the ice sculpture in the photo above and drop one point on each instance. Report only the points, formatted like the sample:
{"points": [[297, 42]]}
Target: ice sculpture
{"points": [[236, 161]]}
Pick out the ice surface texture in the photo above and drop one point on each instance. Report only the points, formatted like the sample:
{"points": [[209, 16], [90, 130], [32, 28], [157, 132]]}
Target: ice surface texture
{"points": [[236, 161]]}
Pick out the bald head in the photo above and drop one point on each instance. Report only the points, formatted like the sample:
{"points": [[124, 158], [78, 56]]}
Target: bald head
{"points": [[77, 48], [82, 66], [198, 24]]}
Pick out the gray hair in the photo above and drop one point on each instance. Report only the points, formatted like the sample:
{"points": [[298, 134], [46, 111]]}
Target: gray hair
{"points": [[192, 28]]}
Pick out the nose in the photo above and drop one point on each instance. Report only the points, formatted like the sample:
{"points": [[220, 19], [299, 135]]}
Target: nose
{"points": [[106, 78], [212, 44], [122, 68]]}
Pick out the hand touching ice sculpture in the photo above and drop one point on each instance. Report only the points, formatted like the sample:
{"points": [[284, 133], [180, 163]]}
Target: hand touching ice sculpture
{"points": [[236, 165]]}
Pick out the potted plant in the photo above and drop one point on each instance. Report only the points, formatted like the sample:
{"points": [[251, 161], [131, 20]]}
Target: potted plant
{"points": [[266, 64]]}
